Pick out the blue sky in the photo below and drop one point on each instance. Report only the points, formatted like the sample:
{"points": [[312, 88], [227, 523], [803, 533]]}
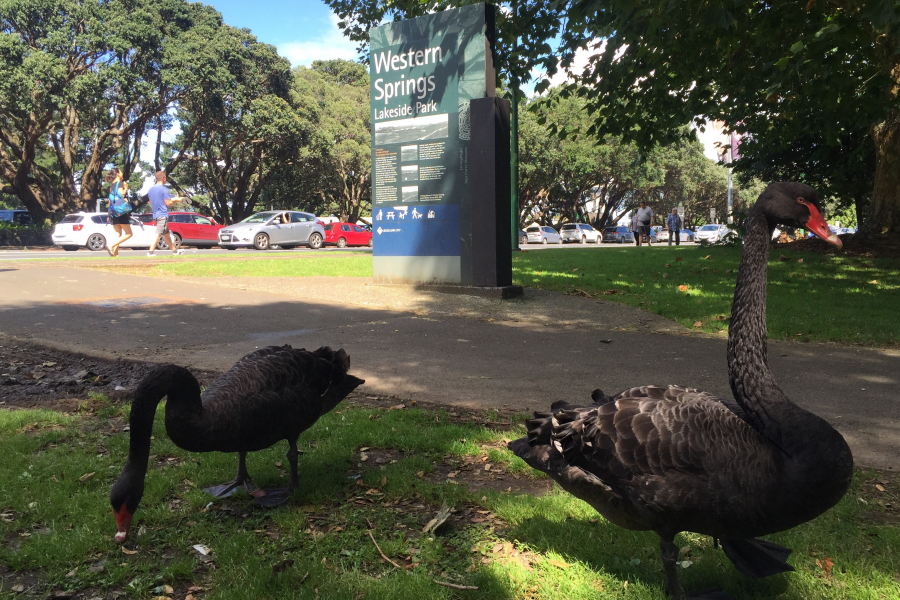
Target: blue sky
{"points": [[302, 30]]}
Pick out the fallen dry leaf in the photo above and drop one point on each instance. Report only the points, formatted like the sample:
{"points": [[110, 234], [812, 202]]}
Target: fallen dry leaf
{"points": [[677, 259], [398, 407], [683, 288], [875, 281], [87, 477], [879, 487], [800, 260], [826, 566], [128, 552], [698, 323], [706, 257]]}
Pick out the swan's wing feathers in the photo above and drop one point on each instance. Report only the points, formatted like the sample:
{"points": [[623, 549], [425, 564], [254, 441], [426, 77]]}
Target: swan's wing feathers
{"points": [[630, 439], [289, 373], [677, 393]]}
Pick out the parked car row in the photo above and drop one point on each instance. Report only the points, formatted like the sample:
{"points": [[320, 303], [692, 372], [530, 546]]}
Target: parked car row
{"points": [[285, 229], [585, 234]]}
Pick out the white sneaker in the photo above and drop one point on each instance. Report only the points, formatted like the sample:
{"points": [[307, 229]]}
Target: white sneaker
{"points": [[150, 254], [178, 252]]}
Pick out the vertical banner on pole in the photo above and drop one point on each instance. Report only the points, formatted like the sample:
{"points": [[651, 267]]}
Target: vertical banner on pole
{"points": [[424, 74]]}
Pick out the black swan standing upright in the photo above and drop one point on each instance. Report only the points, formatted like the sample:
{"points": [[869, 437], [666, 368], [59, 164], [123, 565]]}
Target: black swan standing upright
{"points": [[272, 394], [671, 459]]}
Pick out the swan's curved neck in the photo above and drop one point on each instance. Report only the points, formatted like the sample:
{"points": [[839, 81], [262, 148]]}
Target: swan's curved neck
{"points": [[183, 394], [752, 382]]}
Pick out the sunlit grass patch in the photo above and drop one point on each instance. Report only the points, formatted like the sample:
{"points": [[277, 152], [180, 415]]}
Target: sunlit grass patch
{"points": [[58, 528], [811, 297]]}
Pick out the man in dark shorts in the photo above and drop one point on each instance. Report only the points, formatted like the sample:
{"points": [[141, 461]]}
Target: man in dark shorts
{"points": [[160, 201], [644, 218]]}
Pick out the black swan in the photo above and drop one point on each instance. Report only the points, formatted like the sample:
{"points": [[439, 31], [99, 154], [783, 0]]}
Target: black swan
{"points": [[272, 394], [672, 459]]}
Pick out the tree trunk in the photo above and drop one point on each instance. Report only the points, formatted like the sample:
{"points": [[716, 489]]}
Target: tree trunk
{"points": [[884, 216]]}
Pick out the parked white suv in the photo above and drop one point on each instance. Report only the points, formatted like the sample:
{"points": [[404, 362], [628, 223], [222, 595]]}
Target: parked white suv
{"points": [[712, 233], [91, 230], [581, 233]]}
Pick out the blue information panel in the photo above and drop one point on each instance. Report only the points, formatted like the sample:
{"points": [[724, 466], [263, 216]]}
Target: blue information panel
{"points": [[416, 230]]}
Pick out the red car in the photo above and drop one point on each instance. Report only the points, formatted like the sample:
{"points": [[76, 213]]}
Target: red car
{"points": [[191, 229], [345, 234]]}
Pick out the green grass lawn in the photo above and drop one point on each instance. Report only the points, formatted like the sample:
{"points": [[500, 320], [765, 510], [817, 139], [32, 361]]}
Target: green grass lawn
{"points": [[811, 297], [309, 265], [58, 528]]}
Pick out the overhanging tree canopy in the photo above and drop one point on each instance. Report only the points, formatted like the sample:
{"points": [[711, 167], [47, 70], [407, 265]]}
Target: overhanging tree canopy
{"points": [[816, 80]]}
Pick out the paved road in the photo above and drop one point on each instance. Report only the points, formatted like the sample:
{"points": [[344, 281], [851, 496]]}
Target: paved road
{"points": [[517, 355], [44, 253]]}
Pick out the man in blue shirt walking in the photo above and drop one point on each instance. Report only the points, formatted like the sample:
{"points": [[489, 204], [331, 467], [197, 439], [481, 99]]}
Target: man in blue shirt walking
{"points": [[674, 224], [160, 201]]}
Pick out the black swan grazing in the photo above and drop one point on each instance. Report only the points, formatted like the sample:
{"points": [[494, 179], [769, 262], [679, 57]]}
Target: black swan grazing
{"points": [[672, 459], [272, 394]]}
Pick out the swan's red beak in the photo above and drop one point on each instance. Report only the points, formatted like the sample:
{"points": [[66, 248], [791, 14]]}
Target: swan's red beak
{"points": [[123, 524], [818, 226]]}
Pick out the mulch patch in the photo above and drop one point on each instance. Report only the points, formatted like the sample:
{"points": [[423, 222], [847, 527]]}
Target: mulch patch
{"points": [[35, 376]]}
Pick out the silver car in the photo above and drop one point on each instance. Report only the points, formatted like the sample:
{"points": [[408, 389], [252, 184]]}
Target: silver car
{"points": [[581, 233], [542, 234], [284, 228]]}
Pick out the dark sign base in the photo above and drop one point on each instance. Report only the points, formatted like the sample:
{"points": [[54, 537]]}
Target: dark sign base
{"points": [[505, 292]]}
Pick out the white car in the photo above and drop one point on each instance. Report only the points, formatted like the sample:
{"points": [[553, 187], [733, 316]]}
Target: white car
{"points": [[543, 235], [712, 233], [91, 230], [580, 232]]}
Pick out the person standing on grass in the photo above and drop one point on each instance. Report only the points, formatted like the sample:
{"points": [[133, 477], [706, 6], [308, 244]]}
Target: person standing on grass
{"points": [[644, 219], [118, 191], [160, 201], [673, 223], [635, 231]]}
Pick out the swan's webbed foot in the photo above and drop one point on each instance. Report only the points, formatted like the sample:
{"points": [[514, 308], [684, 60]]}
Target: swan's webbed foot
{"points": [[224, 490], [241, 480], [710, 595], [270, 498]]}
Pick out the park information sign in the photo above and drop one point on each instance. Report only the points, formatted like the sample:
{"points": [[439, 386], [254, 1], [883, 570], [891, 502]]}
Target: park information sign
{"points": [[424, 72]]}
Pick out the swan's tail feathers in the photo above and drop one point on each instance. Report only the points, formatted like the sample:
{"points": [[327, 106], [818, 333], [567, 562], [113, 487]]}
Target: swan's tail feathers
{"points": [[339, 360], [338, 391], [599, 397], [340, 382], [537, 457], [756, 557]]}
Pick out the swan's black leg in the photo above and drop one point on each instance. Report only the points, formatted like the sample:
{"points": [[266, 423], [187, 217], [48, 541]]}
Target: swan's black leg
{"points": [[276, 497], [668, 551], [242, 479]]}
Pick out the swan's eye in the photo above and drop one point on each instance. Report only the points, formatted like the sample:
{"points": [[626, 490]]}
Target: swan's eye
{"points": [[801, 200]]}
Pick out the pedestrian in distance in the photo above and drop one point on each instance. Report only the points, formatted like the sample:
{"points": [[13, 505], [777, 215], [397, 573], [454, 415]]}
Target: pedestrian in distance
{"points": [[673, 223], [118, 191], [635, 231], [160, 201], [644, 218]]}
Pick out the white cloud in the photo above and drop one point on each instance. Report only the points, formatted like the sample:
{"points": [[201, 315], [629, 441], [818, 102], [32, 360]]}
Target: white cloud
{"points": [[329, 44]]}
